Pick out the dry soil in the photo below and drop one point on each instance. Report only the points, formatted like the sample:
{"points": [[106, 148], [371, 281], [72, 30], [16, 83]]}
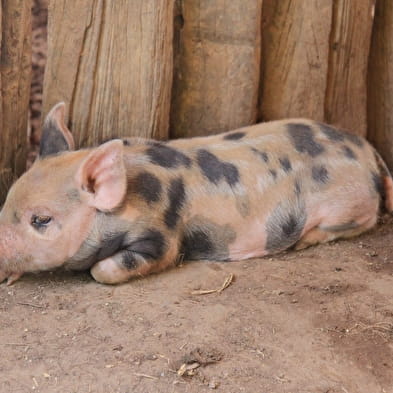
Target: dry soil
{"points": [[318, 321]]}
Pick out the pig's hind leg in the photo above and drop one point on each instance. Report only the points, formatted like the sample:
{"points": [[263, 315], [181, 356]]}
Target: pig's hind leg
{"points": [[326, 233], [10, 277]]}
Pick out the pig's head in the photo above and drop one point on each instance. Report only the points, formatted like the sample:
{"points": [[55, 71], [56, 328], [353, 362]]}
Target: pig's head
{"points": [[50, 210]]}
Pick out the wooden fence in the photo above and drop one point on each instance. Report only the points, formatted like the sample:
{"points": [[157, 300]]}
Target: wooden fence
{"points": [[175, 68], [15, 77]]}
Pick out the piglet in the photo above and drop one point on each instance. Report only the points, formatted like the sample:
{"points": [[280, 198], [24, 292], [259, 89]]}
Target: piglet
{"points": [[133, 206]]}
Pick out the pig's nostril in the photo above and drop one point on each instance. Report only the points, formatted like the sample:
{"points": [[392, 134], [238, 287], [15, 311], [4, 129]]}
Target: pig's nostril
{"points": [[8, 243]]}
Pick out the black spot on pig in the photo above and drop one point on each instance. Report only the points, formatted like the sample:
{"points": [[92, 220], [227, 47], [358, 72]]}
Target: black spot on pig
{"points": [[216, 170], [197, 244], [205, 239], [109, 245], [285, 225], [285, 164], [273, 172], [243, 205], [231, 173], [341, 227], [176, 196], [289, 226], [135, 140], [298, 189], [167, 157], [303, 140], [100, 243], [234, 136], [332, 133], [355, 139], [210, 165], [130, 260], [148, 186], [378, 184], [339, 136], [320, 174], [151, 245], [263, 155], [349, 153], [153, 142]]}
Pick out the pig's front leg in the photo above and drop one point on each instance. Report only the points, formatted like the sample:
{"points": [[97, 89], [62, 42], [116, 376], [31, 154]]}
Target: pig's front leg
{"points": [[148, 255], [118, 268], [10, 277]]}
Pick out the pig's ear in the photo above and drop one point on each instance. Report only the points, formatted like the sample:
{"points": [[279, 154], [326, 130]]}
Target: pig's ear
{"points": [[102, 176], [55, 137]]}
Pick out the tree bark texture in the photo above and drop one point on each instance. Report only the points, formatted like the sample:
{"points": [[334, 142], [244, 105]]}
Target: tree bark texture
{"points": [[380, 82], [15, 78], [111, 62], [217, 66]]}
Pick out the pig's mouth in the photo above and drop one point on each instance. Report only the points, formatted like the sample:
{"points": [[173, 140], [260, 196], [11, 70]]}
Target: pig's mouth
{"points": [[12, 271], [13, 262]]}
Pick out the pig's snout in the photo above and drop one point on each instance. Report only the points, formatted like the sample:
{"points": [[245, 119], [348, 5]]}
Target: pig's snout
{"points": [[10, 246], [12, 259]]}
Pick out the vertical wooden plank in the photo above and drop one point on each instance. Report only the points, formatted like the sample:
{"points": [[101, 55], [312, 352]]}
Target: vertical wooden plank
{"points": [[67, 30], [111, 61], [39, 57], [380, 82], [295, 49], [346, 94], [217, 63], [15, 74]]}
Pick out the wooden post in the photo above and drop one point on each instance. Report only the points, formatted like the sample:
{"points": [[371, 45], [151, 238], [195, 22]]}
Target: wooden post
{"points": [[314, 61], [111, 62], [346, 93], [15, 77], [380, 81], [217, 62], [295, 51]]}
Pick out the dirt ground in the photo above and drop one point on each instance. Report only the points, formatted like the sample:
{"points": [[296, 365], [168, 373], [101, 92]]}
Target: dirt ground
{"points": [[320, 320]]}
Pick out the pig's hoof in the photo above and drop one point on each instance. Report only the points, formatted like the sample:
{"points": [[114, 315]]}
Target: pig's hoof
{"points": [[11, 278], [108, 271], [3, 276]]}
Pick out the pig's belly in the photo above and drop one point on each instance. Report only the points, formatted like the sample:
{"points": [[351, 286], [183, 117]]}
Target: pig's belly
{"points": [[250, 241]]}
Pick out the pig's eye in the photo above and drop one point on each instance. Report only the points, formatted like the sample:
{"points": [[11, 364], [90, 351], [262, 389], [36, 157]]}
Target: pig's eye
{"points": [[40, 222]]}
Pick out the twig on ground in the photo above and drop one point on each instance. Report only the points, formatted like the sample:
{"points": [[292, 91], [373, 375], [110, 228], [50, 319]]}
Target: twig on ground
{"points": [[30, 305], [228, 281], [145, 376]]}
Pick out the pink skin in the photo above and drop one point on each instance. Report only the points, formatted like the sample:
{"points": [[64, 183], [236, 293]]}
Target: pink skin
{"points": [[71, 221], [10, 278], [8, 238], [98, 179], [73, 188]]}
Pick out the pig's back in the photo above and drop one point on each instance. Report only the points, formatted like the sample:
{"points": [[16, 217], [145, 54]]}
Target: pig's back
{"points": [[259, 189]]}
